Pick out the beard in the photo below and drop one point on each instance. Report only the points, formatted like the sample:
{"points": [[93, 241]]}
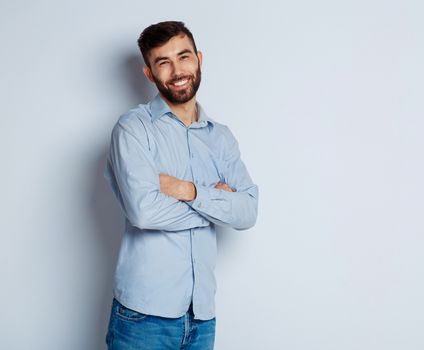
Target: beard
{"points": [[183, 95]]}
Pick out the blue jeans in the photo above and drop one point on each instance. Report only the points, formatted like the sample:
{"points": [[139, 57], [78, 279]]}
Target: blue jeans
{"points": [[131, 330]]}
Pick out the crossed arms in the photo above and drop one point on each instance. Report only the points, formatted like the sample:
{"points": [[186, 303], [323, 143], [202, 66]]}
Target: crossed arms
{"points": [[183, 190], [159, 201]]}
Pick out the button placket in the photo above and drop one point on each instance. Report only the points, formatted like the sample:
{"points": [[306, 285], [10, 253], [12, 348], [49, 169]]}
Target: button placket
{"points": [[192, 241]]}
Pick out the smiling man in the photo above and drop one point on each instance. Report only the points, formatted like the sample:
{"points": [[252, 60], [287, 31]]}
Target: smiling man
{"points": [[176, 173]]}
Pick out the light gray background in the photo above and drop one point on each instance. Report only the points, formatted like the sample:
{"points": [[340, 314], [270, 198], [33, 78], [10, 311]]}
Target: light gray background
{"points": [[325, 98]]}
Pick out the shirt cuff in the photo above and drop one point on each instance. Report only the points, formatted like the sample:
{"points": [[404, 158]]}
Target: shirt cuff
{"points": [[204, 194]]}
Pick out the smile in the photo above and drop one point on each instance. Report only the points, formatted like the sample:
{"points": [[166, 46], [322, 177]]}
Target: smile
{"points": [[181, 83]]}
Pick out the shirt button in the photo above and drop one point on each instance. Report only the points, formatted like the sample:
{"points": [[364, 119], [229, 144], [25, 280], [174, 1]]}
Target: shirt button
{"points": [[192, 155], [200, 204]]}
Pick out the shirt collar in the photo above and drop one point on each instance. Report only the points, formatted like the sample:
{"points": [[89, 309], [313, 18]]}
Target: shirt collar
{"points": [[159, 108]]}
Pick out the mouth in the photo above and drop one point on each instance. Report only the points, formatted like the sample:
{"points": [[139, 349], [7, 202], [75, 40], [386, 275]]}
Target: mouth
{"points": [[181, 83]]}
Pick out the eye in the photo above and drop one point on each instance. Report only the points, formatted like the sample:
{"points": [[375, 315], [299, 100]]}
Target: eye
{"points": [[163, 62], [184, 57]]}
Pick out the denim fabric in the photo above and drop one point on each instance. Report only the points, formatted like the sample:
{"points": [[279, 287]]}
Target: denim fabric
{"points": [[132, 330]]}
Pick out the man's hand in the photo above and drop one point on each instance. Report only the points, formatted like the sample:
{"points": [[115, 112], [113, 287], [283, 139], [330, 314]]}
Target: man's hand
{"points": [[174, 187], [183, 190], [224, 186]]}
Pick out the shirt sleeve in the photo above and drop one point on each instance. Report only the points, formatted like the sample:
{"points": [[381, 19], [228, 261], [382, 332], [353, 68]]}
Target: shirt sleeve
{"points": [[132, 174], [238, 209]]}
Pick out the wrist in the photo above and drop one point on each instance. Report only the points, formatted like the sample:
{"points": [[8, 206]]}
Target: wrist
{"points": [[191, 191], [195, 192]]}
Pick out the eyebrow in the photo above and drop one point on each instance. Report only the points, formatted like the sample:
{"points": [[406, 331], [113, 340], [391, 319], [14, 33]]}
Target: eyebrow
{"points": [[157, 59]]}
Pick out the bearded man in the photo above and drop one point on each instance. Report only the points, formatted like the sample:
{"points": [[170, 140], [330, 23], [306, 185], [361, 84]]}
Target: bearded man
{"points": [[176, 173]]}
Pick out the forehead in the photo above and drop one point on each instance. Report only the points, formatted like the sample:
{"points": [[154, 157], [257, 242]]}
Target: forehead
{"points": [[172, 47]]}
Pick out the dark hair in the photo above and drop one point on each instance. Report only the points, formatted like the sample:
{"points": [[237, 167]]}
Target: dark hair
{"points": [[158, 34]]}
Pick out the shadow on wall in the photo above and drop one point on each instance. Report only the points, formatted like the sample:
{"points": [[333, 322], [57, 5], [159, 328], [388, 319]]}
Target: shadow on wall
{"points": [[140, 88], [108, 217]]}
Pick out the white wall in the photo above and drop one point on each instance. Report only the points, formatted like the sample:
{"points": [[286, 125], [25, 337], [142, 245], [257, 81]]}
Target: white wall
{"points": [[325, 98]]}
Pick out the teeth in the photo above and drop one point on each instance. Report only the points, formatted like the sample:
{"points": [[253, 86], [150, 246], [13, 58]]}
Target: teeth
{"points": [[181, 82]]}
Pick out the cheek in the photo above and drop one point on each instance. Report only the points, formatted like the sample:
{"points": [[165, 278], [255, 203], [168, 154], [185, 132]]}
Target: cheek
{"points": [[162, 75], [191, 67]]}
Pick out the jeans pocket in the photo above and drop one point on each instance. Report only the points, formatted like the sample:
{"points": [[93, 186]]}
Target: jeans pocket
{"points": [[127, 314]]}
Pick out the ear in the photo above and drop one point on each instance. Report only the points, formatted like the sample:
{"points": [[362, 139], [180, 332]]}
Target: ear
{"points": [[148, 73], [200, 57]]}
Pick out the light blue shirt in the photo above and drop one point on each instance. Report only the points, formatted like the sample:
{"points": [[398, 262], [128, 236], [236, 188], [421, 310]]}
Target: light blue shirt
{"points": [[168, 251]]}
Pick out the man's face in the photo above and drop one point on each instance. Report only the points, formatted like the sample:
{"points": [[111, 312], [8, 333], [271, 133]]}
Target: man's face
{"points": [[175, 69]]}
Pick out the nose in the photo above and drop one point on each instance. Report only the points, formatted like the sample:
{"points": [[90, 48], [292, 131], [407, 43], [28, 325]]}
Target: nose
{"points": [[177, 70]]}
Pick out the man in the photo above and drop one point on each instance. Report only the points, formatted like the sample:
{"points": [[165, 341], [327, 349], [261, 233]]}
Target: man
{"points": [[176, 173]]}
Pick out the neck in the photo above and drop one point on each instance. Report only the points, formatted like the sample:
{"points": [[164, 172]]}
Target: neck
{"points": [[186, 112]]}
